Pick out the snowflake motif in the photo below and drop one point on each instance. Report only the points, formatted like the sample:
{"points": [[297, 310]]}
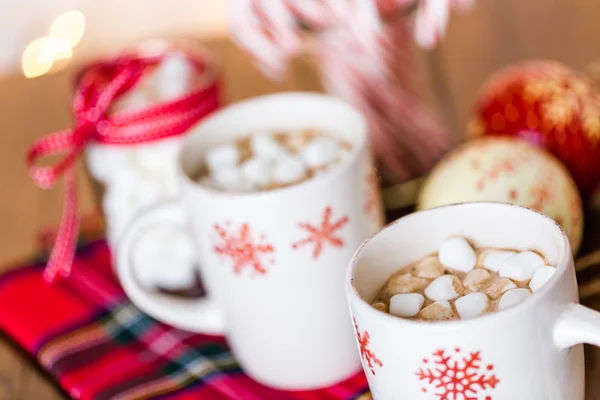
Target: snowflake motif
{"points": [[242, 249], [322, 234], [365, 353], [458, 378]]}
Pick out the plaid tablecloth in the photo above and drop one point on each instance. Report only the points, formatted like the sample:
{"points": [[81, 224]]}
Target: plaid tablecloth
{"points": [[86, 334]]}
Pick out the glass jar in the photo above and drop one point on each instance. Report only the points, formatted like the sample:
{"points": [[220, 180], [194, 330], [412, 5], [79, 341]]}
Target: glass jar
{"points": [[127, 178]]}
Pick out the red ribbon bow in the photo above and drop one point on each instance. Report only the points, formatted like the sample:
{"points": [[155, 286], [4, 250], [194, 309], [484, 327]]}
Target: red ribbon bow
{"points": [[99, 86]]}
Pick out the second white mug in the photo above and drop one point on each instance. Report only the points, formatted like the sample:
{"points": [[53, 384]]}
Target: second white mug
{"points": [[532, 351], [273, 261]]}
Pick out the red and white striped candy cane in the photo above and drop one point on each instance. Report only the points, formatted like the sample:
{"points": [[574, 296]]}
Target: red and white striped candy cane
{"points": [[364, 60]]}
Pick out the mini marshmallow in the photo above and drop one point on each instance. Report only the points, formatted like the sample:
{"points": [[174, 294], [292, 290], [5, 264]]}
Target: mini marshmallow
{"points": [[173, 77], [288, 169], [493, 259], [226, 155], [231, 179], [164, 258], [266, 147], [472, 305], [296, 140], [457, 253], [379, 306], [146, 192], [498, 287], [521, 266], [104, 162], [406, 304], [209, 182], [477, 279], [512, 298], [403, 283], [438, 311], [429, 268], [540, 277], [446, 287], [320, 152], [151, 158], [257, 171]]}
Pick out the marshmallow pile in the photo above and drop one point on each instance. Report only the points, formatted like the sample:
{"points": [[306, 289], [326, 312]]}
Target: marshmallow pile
{"points": [[137, 176], [270, 160], [462, 283]]}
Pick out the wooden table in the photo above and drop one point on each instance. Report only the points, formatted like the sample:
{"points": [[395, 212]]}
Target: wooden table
{"points": [[495, 34]]}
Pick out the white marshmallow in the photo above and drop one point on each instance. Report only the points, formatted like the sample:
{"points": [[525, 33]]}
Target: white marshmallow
{"points": [[472, 305], [288, 169], [540, 277], [402, 282], [446, 287], [512, 298], [169, 182], [457, 253], [477, 279], [231, 179], [173, 77], [266, 147], [495, 258], [406, 304], [155, 157], [320, 152], [105, 161], [257, 171], [521, 266], [498, 287], [146, 192], [429, 267], [226, 155], [164, 258], [208, 181], [438, 311]]}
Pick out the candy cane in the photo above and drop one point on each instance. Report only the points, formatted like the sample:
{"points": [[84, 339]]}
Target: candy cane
{"points": [[363, 60]]}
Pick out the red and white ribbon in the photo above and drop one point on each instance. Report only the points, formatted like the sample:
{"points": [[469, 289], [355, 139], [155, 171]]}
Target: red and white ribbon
{"points": [[99, 86]]}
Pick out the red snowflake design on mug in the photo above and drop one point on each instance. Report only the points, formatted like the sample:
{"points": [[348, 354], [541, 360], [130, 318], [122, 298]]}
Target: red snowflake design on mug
{"points": [[457, 377], [322, 234], [242, 249], [366, 354]]}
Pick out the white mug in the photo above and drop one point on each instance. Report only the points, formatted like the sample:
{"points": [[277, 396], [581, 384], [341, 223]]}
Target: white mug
{"points": [[533, 351], [273, 261]]}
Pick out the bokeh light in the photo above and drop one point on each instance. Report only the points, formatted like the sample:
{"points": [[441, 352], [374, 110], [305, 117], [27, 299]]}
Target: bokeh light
{"points": [[33, 61], [70, 26], [41, 54]]}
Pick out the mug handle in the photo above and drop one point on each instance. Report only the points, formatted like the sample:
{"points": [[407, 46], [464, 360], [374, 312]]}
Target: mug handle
{"points": [[576, 325], [197, 315]]}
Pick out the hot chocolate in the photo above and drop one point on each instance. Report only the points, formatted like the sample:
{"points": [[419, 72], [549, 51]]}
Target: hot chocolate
{"points": [[460, 282], [265, 161]]}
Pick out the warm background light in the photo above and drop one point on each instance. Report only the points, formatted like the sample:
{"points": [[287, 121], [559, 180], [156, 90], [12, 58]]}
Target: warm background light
{"points": [[33, 61], [41, 54], [69, 25]]}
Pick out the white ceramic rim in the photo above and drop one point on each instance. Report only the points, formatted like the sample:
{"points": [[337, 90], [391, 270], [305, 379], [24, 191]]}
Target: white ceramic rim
{"points": [[534, 299], [332, 174]]}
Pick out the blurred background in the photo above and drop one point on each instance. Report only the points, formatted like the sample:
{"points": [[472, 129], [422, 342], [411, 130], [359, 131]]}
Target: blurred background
{"points": [[492, 35], [35, 94]]}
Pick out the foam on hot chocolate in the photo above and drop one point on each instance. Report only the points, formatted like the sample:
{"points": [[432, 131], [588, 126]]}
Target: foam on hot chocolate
{"points": [[460, 282], [265, 160]]}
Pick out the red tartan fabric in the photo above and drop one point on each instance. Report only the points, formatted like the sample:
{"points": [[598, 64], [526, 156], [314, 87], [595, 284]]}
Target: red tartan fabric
{"points": [[86, 334]]}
